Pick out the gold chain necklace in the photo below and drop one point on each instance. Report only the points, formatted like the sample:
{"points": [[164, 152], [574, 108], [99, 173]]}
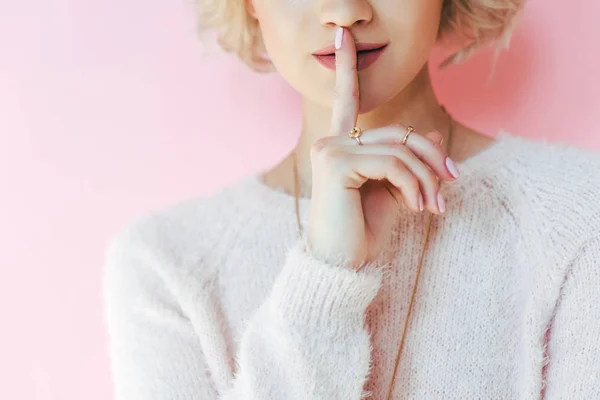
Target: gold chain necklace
{"points": [[414, 291]]}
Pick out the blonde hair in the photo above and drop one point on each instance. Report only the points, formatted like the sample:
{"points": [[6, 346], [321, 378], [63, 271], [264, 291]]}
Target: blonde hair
{"points": [[478, 22]]}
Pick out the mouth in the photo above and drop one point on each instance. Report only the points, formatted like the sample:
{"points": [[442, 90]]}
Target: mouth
{"points": [[364, 57]]}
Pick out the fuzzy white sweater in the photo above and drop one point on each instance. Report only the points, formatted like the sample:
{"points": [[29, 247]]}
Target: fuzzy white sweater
{"points": [[214, 297]]}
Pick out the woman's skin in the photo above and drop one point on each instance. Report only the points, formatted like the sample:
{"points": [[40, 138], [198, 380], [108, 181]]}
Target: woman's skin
{"points": [[395, 90]]}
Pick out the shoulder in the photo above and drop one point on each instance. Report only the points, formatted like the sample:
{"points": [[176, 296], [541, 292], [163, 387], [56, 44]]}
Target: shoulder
{"points": [[175, 239], [545, 163], [561, 183]]}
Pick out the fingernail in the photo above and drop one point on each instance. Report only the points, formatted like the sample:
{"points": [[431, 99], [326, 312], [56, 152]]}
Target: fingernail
{"points": [[339, 35], [441, 203], [452, 167], [421, 207]]}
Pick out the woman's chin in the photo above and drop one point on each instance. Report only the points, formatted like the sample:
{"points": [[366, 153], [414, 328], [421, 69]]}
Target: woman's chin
{"points": [[370, 100], [366, 107]]}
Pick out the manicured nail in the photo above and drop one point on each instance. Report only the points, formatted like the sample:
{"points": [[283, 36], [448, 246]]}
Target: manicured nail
{"points": [[421, 207], [441, 203], [452, 167], [339, 35]]}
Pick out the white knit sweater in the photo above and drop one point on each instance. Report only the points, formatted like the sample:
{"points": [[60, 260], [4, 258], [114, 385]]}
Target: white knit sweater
{"points": [[214, 298]]}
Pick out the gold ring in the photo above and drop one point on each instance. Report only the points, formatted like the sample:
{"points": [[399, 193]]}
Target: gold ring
{"points": [[409, 130], [355, 134]]}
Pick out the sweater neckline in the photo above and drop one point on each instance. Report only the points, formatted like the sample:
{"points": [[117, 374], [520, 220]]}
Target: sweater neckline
{"points": [[471, 169]]}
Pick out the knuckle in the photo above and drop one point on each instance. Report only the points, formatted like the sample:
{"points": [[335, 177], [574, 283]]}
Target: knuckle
{"points": [[338, 163], [317, 146], [403, 151], [435, 187], [396, 164], [412, 183], [321, 148], [409, 181], [432, 185], [331, 157]]}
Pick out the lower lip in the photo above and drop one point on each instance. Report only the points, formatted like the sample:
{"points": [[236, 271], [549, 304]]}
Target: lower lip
{"points": [[363, 59]]}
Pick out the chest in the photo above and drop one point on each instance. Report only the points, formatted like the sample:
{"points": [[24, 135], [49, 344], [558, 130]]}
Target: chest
{"points": [[476, 327]]}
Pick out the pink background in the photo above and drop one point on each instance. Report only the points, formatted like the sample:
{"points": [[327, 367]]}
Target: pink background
{"points": [[109, 109]]}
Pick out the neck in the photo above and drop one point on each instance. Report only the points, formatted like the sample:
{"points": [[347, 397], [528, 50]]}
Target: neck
{"points": [[416, 105]]}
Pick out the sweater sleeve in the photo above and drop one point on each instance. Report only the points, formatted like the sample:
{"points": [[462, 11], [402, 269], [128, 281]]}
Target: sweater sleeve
{"points": [[307, 340], [573, 370], [153, 349]]}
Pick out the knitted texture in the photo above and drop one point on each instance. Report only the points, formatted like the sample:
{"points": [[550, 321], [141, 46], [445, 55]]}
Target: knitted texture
{"points": [[216, 298]]}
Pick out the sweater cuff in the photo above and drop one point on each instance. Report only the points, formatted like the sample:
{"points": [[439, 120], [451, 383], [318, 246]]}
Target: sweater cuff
{"points": [[313, 294]]}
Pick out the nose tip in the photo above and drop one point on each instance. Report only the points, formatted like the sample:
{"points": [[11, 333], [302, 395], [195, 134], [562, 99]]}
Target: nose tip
{"points": [[336, 13]]}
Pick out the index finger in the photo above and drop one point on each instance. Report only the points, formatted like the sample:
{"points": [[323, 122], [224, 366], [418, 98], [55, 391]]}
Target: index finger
{"points": [[346, 93]]}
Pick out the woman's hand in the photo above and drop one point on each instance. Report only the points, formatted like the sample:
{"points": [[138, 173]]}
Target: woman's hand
{"points": [[351, 209]]}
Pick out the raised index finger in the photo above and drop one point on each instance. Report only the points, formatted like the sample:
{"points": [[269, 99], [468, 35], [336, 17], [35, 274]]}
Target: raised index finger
{"points": [[346, 93]]}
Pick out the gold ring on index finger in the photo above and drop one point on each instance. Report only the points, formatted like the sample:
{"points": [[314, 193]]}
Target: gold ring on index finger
{"points": [[409, 130], [355, 134]]}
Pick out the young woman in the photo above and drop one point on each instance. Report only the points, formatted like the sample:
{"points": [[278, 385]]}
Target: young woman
{"points": [[394, 253]]}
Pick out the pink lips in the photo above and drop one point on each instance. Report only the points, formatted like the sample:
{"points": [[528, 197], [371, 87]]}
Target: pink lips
{"points": [[365, 57]]}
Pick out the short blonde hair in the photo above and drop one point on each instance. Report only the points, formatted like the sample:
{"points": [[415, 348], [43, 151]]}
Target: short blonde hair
{"points": [[478, 22]]}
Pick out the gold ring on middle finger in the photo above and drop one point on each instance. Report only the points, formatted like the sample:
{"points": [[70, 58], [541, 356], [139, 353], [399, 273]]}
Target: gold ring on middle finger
{"points": [[409, 130]]}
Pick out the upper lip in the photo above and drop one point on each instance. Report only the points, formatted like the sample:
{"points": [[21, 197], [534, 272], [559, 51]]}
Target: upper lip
{"points": [[329, 50]]}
